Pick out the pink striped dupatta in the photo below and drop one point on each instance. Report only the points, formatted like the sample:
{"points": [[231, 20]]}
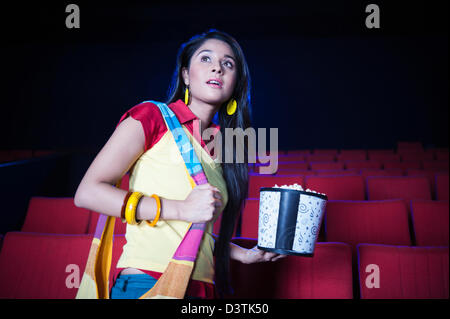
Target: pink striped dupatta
{"points": [[175, 279]]}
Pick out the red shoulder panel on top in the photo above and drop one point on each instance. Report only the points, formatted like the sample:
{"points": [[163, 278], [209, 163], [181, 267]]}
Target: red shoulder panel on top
{"points": [[151, 119]]}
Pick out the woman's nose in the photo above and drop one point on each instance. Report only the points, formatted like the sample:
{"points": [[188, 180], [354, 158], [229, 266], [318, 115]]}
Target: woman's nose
{"points": [[217, 69]]}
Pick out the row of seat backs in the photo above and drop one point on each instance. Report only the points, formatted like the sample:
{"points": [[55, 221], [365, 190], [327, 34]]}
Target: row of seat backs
{"points": [[44, 266], [423, 223], [327, 163], [356, 187]]}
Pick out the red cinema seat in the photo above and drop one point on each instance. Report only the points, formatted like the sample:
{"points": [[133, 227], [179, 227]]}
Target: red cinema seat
{"points": [[381, 172], [120, 228], [352, 155], [430, 222], [345, 187], [326, 165], [363, 164], [46, 266], [416, 156], [322, 151], [403, 165], [258, 181], [292, 165], [327, 275], [442, 188], [430, 174], [249, 219], [401, 272], [375, 222], [337, 172], [442, 154], [405, 187], [436, 165], [320, 158], [294, 171], [384, 157], [57, 215], [298, 152]]}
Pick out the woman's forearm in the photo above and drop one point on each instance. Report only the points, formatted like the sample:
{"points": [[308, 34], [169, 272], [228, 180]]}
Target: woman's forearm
{"points": [[107, 199], [238, 253]]}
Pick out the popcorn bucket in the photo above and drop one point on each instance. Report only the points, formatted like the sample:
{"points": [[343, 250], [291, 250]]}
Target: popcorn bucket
{"points": [[289, 220]]}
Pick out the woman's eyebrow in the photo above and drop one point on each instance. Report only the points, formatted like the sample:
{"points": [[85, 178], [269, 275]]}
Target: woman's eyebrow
{"points": [[226, 55]]}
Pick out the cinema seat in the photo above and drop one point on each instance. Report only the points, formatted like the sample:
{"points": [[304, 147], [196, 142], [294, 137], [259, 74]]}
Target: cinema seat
{"points": [[293, 171], [345, 187], [258, 181], [405, 187], [323, 151], [352, 155], [381, 172], [337, 172], [327, 275], [57, 215], [376, 222], [403, 165], [249, 219], [363, 164], [416, 156], [326, 165], [292, 165], [39, 266], [320, 158], [442, 154], [430, 221], [120, 227], [436, 165], [403, 272], [442, 186]]}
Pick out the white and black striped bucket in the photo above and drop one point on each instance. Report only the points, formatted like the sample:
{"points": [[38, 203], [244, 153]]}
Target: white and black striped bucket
{"points": [[289, 220]]}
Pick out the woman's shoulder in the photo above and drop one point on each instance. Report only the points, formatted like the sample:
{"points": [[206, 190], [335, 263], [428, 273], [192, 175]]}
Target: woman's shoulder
{"points": [[151, 119], [143, 111]]}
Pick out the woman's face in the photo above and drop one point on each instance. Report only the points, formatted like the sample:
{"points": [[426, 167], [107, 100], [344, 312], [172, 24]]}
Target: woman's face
{"points": [[213, 61]]}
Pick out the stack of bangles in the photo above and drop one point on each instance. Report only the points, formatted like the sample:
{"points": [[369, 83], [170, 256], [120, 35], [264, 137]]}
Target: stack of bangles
{"points": [[131, 202]]}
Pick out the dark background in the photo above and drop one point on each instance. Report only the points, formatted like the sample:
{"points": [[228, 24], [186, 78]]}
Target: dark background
{"points": [[318, 75]]}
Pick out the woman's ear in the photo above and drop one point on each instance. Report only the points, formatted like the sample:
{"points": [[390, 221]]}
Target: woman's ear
{"points": [[185, 74]]}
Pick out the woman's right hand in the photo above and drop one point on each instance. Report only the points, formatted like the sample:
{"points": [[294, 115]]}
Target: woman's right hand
{"points": [[201, 204]]}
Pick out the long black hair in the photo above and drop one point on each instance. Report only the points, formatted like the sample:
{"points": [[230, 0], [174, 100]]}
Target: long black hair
{"points": [[235, 174]]}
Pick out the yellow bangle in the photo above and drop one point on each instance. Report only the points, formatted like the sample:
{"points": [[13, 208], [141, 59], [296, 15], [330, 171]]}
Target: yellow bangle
{"points": [[130, 210], [158, 211]]}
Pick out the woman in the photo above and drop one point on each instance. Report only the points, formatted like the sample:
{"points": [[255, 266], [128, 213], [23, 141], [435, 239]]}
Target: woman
{"points": [[211, 74]]}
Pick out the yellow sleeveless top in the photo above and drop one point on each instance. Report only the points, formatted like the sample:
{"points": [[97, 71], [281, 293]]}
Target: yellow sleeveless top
{"points": [[161, 170]]}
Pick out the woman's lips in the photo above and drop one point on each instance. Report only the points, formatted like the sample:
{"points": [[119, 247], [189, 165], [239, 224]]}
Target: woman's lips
{"points": [[213, 85]]}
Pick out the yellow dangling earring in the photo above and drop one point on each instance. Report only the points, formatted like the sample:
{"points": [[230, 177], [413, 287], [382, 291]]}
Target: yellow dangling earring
{"points": [[186, 96], [231, 107]]}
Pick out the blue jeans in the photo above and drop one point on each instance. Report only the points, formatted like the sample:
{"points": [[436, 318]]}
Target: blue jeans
{"points": [[132, 286]]}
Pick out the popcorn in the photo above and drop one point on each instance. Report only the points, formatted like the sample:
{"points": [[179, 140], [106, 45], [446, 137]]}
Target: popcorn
{"points": [[298, 188]]}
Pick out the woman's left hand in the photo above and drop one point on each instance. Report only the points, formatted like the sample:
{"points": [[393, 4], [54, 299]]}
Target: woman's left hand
{"points": [[256, 255]]}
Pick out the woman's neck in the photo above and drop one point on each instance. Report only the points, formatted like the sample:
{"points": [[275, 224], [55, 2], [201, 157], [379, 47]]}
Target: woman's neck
{"points": [[204, 112]]}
